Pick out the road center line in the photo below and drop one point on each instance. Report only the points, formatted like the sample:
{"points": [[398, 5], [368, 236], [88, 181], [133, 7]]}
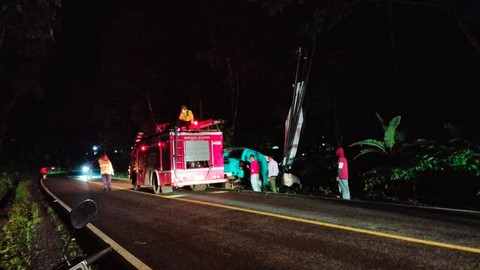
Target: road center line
{"points": [[336, 226]]}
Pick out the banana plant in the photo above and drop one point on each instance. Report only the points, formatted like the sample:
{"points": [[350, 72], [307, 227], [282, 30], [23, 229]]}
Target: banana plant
{"points": [[393, 140]]}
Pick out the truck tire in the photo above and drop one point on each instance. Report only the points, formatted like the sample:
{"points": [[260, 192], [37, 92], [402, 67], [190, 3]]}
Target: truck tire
{"points": [[199, 187], [155, 183]]}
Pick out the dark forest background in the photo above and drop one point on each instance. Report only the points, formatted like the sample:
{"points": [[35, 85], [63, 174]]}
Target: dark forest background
{"points": [[78, 73]]}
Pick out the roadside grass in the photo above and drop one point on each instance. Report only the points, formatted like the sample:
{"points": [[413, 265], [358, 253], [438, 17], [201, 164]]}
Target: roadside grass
{"points": [[6, 183], [20, 233]]}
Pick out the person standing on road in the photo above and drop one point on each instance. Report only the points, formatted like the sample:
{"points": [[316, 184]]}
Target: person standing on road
{"points": [[255, 174], [90, 170], [272, 173], [106, 170], [342, 174], [43, 173], [245, 181], [132, 173]]}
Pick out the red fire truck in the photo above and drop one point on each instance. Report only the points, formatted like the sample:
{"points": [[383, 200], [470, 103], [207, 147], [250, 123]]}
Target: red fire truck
{"points": [[179, 158]]}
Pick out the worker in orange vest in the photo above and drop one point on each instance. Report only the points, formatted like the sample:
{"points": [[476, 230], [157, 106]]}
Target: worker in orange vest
{"points": [[185, 119]]}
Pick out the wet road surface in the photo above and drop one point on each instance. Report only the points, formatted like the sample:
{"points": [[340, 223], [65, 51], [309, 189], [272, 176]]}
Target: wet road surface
{"points": [[218, 229]]}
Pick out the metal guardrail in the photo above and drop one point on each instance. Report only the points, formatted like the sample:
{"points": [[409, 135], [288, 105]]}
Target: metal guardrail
{"points": [[87, 238]]}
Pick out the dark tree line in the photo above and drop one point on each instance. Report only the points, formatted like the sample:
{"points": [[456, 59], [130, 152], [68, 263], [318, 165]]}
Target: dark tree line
{"points": [[97, 72]]}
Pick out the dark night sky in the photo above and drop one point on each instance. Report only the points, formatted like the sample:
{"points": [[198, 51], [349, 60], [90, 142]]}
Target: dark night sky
{"points": [[151, 49]]}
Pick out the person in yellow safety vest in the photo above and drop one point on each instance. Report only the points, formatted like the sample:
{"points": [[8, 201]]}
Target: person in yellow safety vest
{"points": [[106, 170], [185, 119]]}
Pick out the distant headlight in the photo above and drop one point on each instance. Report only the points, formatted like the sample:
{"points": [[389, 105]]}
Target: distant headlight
{"points": [[85, 169]]}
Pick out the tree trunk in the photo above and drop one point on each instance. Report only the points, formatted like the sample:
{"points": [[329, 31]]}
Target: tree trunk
{"points": [[7, 109], [234, 84]]}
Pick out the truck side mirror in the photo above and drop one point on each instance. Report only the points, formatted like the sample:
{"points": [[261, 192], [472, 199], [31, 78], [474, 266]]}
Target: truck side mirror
{"points": [[83, 213]]}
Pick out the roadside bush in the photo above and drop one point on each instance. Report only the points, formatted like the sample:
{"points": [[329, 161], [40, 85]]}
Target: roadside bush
{"points": [[21, 239], [317, 172], [379, 186], [6, 183], [446, 176], [18, 234]]}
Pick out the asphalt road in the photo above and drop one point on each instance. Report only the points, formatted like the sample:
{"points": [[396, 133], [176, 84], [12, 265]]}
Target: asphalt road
{"points": [[218, 229]]}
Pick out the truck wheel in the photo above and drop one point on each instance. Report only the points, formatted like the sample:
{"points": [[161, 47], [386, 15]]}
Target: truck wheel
{"points": [[199, 187], [156, 187], [155, 183]]}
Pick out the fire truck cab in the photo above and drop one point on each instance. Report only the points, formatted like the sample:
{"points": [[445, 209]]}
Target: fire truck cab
{"points": [[179, 158]]}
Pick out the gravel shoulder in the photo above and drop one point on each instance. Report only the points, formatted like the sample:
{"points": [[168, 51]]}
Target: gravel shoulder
{"points": [[49, 243]]}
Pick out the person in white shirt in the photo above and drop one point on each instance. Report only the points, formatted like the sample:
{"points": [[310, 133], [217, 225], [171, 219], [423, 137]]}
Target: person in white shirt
{"points": [[272, 173]]}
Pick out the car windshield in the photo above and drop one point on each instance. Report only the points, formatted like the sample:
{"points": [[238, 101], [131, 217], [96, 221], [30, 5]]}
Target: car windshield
{"points": [[237, 153]]}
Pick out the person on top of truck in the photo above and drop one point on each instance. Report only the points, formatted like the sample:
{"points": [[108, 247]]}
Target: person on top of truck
{"points": [[185, 119]]}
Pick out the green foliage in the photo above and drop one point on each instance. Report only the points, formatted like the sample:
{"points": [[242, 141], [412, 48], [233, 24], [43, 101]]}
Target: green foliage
{"points": [[385, 147], [447, 176], [390, 133], [18, 243], [466, 160], [121, 175], [376, 147], [374, 183], [393, 140], [6, 183], [461, 160], [430, 174]]}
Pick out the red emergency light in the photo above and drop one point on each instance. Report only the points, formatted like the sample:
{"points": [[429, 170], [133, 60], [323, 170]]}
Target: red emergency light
{"points": [[143, 148]]}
